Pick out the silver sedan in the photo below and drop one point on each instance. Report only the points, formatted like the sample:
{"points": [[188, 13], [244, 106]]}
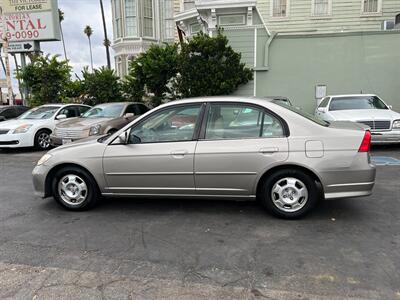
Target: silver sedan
{"points": [[224, 148]]}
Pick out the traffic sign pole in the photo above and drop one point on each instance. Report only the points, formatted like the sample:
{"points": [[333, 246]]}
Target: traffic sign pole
{"points": [[24, 88], [8, 73]]}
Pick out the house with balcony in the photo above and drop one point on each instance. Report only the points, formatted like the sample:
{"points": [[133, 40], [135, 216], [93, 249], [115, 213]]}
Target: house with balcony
{"points": [[304, 49], [139, 23]]}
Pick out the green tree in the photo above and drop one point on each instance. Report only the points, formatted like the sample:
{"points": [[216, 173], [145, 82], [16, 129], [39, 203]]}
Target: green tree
{"points": [[74, 91], [46, 78], [89, 31], [208, 66], [101, 86], [152, 71]]}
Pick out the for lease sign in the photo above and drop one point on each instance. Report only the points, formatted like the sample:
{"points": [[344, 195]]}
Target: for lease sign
{"points": [[13, 6], [29, 20], [28, 26]]}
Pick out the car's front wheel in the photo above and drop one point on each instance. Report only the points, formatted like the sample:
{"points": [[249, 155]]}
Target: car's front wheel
{"points": [[42, 139], [289, 194], [74, 189]]}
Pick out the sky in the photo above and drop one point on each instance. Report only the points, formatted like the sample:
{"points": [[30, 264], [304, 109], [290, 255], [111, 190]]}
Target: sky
{"points": [[78, 14]]}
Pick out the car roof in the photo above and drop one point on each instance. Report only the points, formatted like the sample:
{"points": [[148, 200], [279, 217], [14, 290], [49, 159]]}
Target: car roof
{"points": [[125, 103], [62, 104], [238, 99], [351, 95], [7, 106]]}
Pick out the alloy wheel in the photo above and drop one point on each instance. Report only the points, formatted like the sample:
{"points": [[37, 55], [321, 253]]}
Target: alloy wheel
{"points": [[289, 194], [44, 140], [72, 189]]}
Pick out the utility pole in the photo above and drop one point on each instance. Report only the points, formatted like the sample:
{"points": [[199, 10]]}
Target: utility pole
{"points": [[106, 41], [8, 73]]}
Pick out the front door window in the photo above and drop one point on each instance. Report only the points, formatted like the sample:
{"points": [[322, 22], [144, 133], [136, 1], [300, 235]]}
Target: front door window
{"points": [[174, 124]]}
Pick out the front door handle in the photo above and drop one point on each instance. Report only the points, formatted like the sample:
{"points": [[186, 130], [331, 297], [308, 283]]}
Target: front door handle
{"points": [[179, 153], [269, 150]]}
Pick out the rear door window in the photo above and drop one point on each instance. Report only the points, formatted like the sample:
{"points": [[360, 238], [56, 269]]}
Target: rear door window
{"points": [[240, 121]]}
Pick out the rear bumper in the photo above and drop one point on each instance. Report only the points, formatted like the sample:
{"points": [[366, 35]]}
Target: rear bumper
{"points": [[355, 180], [385, 137], [349, 190]]}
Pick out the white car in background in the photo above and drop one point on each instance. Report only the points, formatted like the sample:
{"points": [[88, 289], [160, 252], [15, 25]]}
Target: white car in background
{"points": [[366, 109], [33, 128]]}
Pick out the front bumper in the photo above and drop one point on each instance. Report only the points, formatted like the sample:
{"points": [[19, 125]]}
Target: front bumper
{"points": [[385, 137], [15, 140], [57, 141], [39, 175]]}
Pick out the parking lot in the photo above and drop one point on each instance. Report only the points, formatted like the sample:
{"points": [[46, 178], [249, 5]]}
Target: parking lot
{"points": [[188, 249]]}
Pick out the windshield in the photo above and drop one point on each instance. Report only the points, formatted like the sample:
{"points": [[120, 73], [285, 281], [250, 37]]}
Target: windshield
{"points": [[40, 113], [105, 111], [347, 103], [304, 114]]}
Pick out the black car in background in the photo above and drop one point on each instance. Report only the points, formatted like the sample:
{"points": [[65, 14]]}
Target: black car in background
{"points": [[11, 111]]}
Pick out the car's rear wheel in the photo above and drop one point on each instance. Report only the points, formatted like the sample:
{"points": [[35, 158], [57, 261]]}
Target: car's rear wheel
{"points": [[42, 140], [74, 189], [289, 194]]}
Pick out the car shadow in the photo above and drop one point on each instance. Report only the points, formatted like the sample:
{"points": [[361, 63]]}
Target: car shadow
{"points": [[26, 150], [330, 210]]}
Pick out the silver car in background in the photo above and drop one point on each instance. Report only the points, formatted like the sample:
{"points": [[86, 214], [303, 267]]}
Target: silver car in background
{"points": [[370, 110], [106, 118], [223, 148]]}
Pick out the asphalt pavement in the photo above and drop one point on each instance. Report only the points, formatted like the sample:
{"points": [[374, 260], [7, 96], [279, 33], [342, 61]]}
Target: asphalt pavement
{"points": [[196, 249]]}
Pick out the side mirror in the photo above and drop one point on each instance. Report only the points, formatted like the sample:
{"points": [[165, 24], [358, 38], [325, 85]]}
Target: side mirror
{"points": [[123, 138], [129, 115], [321, 109], [390, 106], [61, 117]]}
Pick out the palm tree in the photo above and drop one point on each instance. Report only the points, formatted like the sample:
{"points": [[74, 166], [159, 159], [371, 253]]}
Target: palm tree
{"points": [[89, 31], [106, 41], [61, 18]]}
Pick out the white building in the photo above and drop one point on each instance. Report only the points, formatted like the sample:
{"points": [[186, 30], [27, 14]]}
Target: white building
{"points": [[139, 23]]}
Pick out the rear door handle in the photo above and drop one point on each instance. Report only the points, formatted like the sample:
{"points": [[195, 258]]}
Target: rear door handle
{"points": [[179, 153], [269, 150]]}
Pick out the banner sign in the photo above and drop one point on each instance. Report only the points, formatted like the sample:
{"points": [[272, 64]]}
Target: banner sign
{"points": [[15, 6], [36, 20]]}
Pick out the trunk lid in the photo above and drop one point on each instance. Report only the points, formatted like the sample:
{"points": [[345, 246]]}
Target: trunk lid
{"points": [[348, 125]]}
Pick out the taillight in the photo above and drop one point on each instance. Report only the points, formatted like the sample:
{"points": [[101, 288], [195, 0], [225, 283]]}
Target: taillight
{"points": [[366, 142]]}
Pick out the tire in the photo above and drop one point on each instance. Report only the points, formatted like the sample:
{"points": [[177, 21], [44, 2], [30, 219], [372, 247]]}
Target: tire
{"points": [[75, 189], [289, 194], [42, 140]]}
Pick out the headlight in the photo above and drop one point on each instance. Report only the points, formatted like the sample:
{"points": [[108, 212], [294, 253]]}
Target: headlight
{"points": [[396, 124], [95, 130], [22, 129], [44, 159]]}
